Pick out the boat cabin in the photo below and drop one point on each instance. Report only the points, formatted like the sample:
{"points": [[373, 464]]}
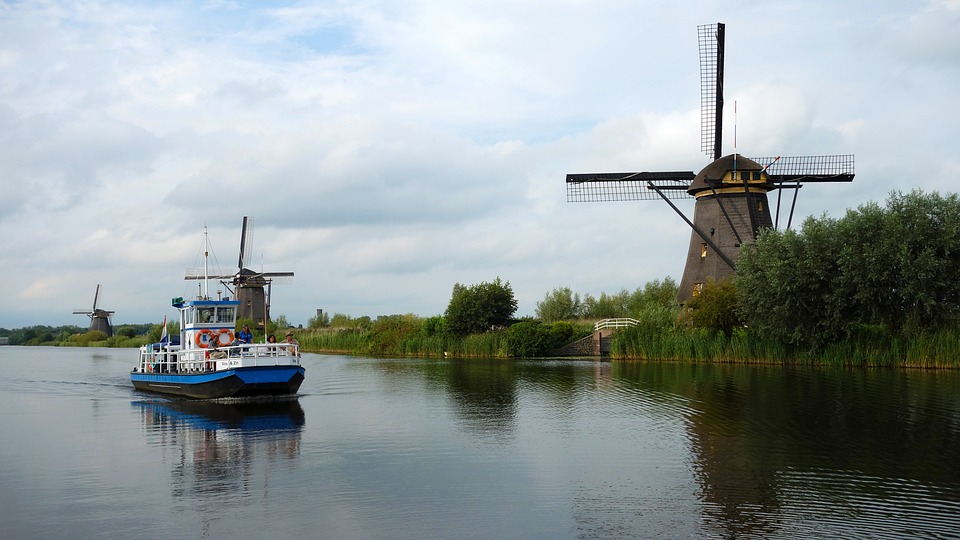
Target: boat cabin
{"points": [[204, 323]]}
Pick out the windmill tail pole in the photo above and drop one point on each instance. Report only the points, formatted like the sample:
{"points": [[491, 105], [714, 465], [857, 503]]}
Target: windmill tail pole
{"points": [[767, 166], [703, 235]]}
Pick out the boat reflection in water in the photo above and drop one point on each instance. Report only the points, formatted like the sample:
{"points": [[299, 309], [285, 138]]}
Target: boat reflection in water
{"points": [[218, 449]]}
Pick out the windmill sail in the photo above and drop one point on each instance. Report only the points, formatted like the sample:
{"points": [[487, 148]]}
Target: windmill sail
{"points": [[730, 192], [711, 38]]}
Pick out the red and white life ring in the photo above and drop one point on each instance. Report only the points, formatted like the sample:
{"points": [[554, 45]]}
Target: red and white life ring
{"points": [[201, 341], [228, 333]]}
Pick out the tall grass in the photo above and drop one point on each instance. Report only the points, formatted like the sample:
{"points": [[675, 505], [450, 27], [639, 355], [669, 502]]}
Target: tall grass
{"points": [[680, 343], [869, 347], [408, 342], [333, 340]]}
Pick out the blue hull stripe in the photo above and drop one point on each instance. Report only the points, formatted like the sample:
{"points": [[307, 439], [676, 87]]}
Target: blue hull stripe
{"points": [[250, 375]]}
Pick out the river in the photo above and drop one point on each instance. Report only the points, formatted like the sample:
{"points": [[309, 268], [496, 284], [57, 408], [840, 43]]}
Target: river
{"points": [[393, 449]]}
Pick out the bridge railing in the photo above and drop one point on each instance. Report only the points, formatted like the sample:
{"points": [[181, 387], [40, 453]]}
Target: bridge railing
{"points": [[621, 322]]}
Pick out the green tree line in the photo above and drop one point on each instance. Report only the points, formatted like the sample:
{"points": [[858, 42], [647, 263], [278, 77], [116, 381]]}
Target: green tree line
{"points": [[875, 286]]}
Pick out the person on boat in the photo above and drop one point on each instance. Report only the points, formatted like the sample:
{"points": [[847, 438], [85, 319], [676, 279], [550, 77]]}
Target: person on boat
{"points": [[292, 341], [272, 339], [244, 337], [215, 353]]}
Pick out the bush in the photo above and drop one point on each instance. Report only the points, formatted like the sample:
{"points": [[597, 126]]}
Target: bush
{"points": [[532, 338], [480, 308], [715, 308]]}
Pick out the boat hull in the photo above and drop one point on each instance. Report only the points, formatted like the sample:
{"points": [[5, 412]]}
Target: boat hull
{"points": [[238, 382]]}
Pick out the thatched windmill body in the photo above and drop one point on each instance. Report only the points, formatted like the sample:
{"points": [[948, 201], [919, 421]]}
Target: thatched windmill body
{"points": [[99, 318], [731, 192]]}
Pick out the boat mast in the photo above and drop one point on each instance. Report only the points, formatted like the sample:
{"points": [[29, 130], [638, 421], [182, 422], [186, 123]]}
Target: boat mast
{"points": [[206, 277]]}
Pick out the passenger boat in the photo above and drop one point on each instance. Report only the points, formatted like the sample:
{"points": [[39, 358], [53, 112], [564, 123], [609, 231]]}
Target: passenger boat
{"points": [[207, 363]]}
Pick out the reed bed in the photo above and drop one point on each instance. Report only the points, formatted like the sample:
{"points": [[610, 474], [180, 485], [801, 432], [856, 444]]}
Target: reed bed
{"points": [[869, 347]]}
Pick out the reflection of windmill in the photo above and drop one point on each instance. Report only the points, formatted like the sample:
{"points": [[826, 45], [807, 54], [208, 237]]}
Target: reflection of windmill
{"points": [[731, 192], [249, 285], [99, 318]]}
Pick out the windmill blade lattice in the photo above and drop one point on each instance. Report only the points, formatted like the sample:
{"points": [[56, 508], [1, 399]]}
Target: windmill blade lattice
{"points": [[834, 168], [634, 186], [711, 38]]}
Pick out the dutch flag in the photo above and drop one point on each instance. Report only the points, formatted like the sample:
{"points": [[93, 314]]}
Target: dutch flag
{"points": [[163, 336]]}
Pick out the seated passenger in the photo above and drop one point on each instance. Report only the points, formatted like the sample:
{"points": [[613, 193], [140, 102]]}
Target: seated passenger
{"points": [[292, 341], [215, 353]]}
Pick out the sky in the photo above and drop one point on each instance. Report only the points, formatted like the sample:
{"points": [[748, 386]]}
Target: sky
{"points": [[390, 149]]}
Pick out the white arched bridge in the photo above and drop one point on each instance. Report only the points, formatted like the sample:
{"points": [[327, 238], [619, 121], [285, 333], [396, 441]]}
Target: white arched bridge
{"points": [[598, 343]]}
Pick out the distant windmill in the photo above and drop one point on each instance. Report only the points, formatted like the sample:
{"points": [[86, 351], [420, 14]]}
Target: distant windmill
{"points": [[731, 192], [99, 318], [249, 285]]}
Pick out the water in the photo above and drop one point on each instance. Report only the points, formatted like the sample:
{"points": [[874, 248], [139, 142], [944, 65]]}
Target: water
{"points": [[377, 448]]}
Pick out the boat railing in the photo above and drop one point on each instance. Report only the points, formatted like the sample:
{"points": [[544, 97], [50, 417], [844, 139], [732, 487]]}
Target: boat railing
{"points": [[164, 360]]}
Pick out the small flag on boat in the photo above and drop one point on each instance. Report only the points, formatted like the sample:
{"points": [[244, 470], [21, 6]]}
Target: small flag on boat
{"points": [[163, 336]]}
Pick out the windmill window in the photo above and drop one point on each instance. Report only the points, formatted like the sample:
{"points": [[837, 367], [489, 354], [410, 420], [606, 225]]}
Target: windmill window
{"points": [[756, 175], [759, 206], [697, 289], [703, 249]]}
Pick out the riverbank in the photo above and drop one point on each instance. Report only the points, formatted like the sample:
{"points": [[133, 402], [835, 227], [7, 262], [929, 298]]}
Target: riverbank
{"points": [[407, 337]]}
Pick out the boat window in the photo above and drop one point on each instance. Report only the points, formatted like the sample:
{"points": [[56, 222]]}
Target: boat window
{"points": [[188, 316], [226, 315], [206, 315]]}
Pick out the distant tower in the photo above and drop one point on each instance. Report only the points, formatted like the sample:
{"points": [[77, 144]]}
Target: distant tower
{"points": [[99, 318], [731, 192]]}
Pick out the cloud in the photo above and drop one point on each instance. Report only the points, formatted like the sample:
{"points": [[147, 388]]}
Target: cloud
{"points": [[390, 150]]}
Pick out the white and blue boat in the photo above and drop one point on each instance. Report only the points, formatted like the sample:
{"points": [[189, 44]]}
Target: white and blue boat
{"points": [[206, 362]]}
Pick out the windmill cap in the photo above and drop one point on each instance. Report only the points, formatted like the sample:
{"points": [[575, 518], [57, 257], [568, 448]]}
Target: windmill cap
{"points": [[713, 173]]}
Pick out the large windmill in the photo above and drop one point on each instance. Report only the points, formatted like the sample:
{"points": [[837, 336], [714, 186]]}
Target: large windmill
{"points": [[99, 318], [252, 289], [731, 192]]}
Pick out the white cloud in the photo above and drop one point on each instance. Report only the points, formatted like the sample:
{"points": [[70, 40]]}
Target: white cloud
{"points": [[390, 150]]}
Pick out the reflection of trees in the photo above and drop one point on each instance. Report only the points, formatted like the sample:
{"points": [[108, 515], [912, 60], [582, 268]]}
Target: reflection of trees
{"points": [[219, 442], [484, 394], [753, 426]]}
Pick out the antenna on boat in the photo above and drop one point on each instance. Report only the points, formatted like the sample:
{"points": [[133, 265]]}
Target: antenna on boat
{"points": [[206, 275]]}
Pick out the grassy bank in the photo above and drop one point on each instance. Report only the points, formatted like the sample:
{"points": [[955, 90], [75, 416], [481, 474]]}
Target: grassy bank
{"points": [[663, 339], [869, 347], [410, 344]]}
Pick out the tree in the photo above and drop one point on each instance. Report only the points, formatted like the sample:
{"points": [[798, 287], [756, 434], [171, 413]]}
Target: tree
{"points": [[892, 266], [479, 308], [787, 285], [655, 294], [715, 308], [561, 304], [320, 320], [607, 306]]}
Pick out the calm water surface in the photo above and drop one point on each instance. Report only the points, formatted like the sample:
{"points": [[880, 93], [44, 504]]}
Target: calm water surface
{"points": [[375, 448]]}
